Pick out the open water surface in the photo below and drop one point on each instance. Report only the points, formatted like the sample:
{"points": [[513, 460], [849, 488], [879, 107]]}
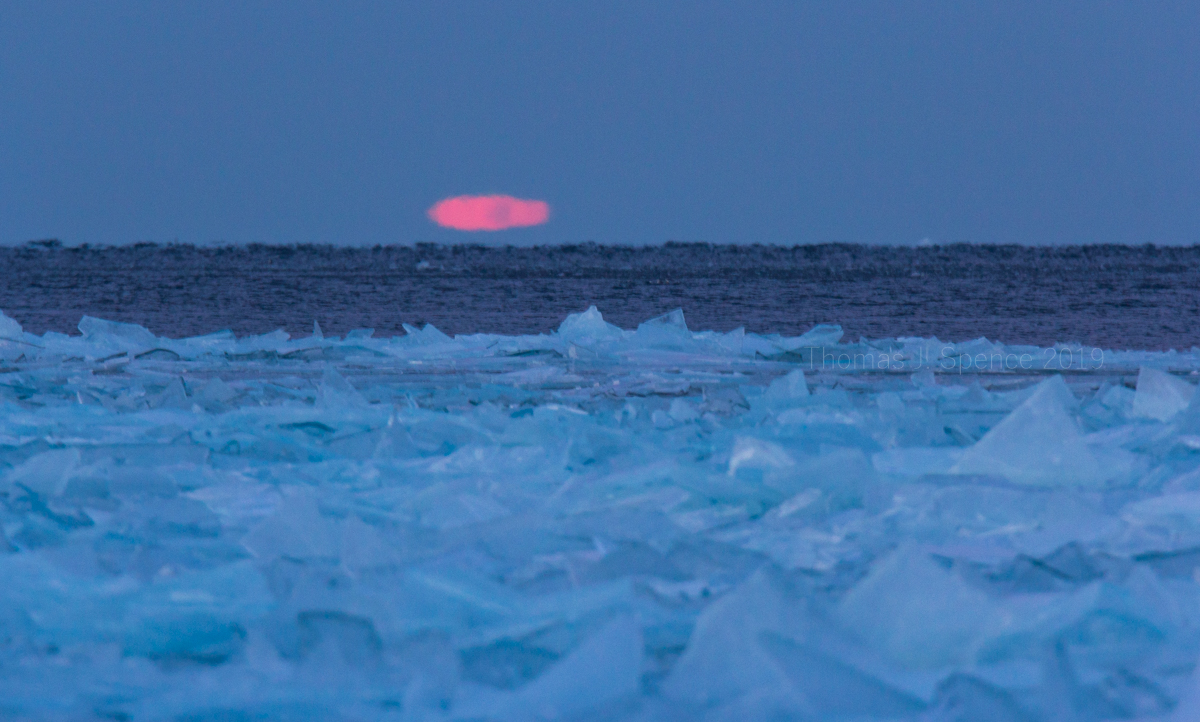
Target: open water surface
{"points": [[1106, 296]]}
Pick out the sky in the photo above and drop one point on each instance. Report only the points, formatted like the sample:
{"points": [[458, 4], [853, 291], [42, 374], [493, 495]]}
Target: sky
{"points": [[636, 122]]}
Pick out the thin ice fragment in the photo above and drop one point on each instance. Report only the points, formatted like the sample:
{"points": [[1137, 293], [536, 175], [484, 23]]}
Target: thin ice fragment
{"points": [[9, 328], [1160, 395], [934, 619], [1039, 443]]}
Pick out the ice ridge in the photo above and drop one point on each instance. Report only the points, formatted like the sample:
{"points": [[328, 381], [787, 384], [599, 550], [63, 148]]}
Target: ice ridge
{"points": [[598, 523]]}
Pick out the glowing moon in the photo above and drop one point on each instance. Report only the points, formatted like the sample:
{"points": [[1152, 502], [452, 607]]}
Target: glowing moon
{"points": [[488, 213]]}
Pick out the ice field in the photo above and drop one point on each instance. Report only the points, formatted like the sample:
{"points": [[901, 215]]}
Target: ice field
{"points": [[595, 524]]}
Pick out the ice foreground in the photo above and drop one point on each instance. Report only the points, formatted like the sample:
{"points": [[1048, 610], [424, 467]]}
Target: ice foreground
{"points": [[595, 524]]}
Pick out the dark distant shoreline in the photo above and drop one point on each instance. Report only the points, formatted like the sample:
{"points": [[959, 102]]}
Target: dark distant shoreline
{"points": [[1111, 296], [602, 250]]}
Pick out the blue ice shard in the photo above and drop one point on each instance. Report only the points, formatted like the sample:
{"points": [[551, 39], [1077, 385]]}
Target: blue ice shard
{"points": [[1039, 443]]}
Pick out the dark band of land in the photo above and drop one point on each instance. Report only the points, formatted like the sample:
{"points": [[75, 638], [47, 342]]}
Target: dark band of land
{"points": [[1109, 296]]}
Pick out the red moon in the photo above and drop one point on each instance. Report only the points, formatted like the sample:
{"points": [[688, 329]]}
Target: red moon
{"points": [[488, 213]]}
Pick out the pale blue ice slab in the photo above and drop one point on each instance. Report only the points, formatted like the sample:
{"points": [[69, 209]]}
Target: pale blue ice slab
{"points": [[597, 524]]}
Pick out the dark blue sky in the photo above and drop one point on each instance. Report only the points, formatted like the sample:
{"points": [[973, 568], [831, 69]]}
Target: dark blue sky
{"points": [[777, 122]]}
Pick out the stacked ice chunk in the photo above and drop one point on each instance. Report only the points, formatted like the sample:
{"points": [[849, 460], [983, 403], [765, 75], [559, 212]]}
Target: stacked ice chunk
{"points": [[598, 523]]}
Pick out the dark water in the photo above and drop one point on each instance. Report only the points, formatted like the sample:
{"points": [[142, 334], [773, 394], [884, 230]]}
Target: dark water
{"points": [[1107, 296]]}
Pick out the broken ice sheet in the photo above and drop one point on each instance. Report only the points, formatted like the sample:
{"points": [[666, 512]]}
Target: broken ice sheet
{"points": [[595, 523]]}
